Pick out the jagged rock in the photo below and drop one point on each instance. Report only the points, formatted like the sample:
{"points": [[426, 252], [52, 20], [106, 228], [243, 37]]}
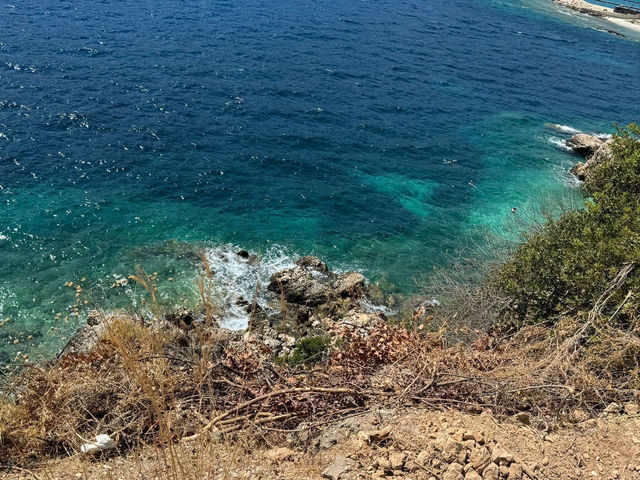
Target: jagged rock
{"points": [[585, 145], [453, 451], [476, 436], [479, 456], [311, 283], [515, 472], [374, 436], [579, 170], [384, 464], [492, 472], [349, 285], [339, 466], [300, 286], [454, 472], [397, 460], [500, 456], [88, 335], [313, 263], [424, 456], [469, 444], [602, 154], [472, 475]]}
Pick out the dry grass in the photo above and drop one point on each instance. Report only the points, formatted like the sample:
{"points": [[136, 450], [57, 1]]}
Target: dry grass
{"points": [[156, 384]]}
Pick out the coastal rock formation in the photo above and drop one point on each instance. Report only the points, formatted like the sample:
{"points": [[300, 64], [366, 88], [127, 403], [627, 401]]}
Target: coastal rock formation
{"points": [[88, 335], [628, 17], [308, 300], [594, 149], [311, 283], [585, 145], [313, 301]]}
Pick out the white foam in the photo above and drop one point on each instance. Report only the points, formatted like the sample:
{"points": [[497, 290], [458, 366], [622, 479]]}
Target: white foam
{"points": [[371, 307], [563, 128], [235, 278], [3, 237], [559, 142]]}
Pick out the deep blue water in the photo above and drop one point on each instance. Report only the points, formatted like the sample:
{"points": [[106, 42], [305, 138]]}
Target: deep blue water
{"points": [[135, 132]]}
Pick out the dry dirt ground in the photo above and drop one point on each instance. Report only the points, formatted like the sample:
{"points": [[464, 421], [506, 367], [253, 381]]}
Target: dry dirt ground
{"points": [[410, 444]]}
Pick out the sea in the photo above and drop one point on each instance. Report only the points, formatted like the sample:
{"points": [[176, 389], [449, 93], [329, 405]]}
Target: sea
{"points": [[143, 138]]}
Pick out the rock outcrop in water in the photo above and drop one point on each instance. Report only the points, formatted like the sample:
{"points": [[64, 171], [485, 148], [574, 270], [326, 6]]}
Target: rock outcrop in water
{"points": [[308, 300], [314, 301], [594, 149], [585, 145], [311, 283]]}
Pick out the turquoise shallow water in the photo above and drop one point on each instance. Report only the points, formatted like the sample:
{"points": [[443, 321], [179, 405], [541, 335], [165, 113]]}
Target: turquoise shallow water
{"points": [[138, 133]]}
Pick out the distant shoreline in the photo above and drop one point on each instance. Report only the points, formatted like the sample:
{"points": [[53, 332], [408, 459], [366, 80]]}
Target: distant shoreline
{"points": [[624, 20]]}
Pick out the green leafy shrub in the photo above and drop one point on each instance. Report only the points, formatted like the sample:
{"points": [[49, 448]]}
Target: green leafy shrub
{"points": [[565, 265], [309, 350]]}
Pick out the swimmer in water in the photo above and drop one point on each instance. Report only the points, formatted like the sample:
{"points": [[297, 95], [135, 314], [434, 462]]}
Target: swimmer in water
{"points": [[514, 210], [472, 184]]}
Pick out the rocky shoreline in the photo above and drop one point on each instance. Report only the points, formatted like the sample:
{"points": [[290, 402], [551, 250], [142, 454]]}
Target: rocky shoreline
{"points": [[593, 149], [308, 301], [618, 16]]}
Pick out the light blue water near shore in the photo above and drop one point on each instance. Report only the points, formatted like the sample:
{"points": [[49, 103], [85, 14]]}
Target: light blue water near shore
{"points": [[138, 132]]}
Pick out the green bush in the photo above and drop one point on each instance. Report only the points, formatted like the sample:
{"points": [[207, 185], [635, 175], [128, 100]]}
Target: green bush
{"points": [[309, 350], [564, 266]]}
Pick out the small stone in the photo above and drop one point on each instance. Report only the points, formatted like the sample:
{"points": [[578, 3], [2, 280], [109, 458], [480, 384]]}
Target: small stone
{"points": [[515, 472], [397, 460], [631, 408], [476, 436], [500, 456], [423, 457], [479, 456], [472, 475], [523, 417], [469, 444], [384, 464], [492, 472], [374, 436], [339, 466], [453, 451], [454, 472]]}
